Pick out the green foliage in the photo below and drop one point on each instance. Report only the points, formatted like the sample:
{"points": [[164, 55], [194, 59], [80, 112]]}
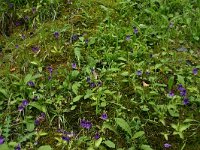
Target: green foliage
{"points": [[124, 92]]}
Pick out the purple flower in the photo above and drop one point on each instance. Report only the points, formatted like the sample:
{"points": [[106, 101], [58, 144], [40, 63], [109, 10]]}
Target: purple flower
{"points": [[183, 92], [186, 101], [16, 46], [104, 116], [25, 102], [37, 122], [35, 49], [18, 147], [74, 37], [135, 30], [50, 69], [18, 23], [73, 65], [195, 71], [97, 136], [139, 72], [92, 85], [31, 83], [2, 140], [56, 35], [66, 138], [20, 108], [85, 124], [171, 93], [167, 145], [128, 38]]}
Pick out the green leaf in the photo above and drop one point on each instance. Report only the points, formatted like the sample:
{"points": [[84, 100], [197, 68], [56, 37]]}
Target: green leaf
{"points": [[75, 87], [183, 127], [109, 143], [77, 98], [106, 125], [126, 73], [138, 134], [39, 106], [45, 147], [30, 126], [124, 125], [181, 79], [27, 78], [4, 147], [170, 82], [98, 142], [4, 92], [145, 147]]}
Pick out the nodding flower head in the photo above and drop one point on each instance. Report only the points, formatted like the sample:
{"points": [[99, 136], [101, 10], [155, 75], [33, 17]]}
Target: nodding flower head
{"points": [[104, 116], [56, 34], [2, 140], [167, 145], [85, 124], [195, 71]]}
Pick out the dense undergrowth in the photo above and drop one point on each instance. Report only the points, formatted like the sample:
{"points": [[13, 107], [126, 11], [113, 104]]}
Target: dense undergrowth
{"points": [[99, 74]]}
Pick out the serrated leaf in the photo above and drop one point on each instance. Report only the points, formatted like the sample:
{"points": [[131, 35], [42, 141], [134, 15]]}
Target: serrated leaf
{"points": [[138, 134], [124, 125], [98, 142], [109, 143], [45, 147]]}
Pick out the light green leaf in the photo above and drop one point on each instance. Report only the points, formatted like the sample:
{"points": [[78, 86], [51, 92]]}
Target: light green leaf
{"points": [[183, 127], [75, 87], [45, 147], [4, 147], [126, 73], [181, 79], [138, 134], [98, 142], [124, 125], [145, 147], [109, 143], [77, 98]]}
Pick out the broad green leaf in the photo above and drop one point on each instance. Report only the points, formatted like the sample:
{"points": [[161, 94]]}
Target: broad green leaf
{"points": [[98, 142], [45, 147], [75, 87], [109, 143], [138, 134], [73, 107], [124, 125], [181, 79], [183, 127], [145, 147], [30, 126], [27, 78], [77, 98]]}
